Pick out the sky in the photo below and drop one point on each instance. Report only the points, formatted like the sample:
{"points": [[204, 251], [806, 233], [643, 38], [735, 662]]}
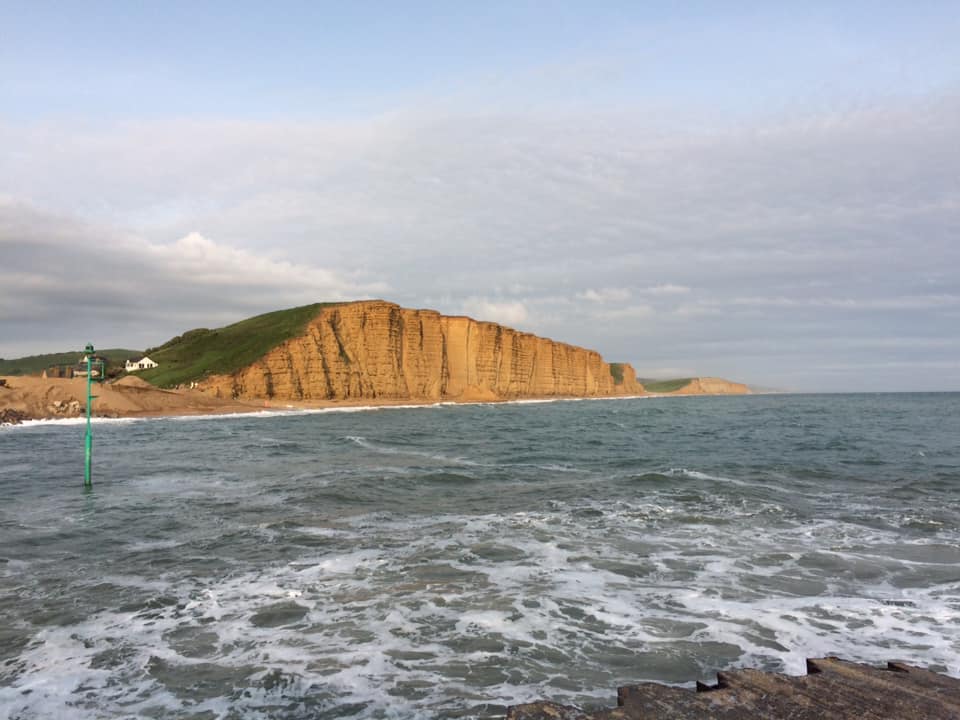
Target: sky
{"points": [[768, 192]]}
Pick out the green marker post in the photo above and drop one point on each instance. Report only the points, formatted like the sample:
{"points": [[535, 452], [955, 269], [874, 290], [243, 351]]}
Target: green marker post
{"points": [[87, 479]]}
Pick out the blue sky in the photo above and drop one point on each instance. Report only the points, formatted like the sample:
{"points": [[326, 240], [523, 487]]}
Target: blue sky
{"points": [[109, 61], [763, 191]]}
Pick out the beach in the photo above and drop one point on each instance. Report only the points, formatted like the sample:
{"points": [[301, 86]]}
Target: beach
{"points": [[35, 398]]}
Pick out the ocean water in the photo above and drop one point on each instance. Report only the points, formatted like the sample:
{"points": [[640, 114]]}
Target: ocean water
{"points": [[451, 560]]}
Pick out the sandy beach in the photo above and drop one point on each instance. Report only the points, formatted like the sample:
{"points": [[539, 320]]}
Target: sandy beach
{"points": [[34, 398]]}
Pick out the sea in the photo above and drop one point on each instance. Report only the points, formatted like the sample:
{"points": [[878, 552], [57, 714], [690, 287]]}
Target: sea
{"points": [[451, 560]]}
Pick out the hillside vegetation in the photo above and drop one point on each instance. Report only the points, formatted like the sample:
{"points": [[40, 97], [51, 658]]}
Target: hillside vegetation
{"points": [[36, 364], [201, 352], [664, 386]]}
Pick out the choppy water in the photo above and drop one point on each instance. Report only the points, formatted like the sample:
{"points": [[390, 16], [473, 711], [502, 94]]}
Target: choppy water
{"points": [[448, 561]]}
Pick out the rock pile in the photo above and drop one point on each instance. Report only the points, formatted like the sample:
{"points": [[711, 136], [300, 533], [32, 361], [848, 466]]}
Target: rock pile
{"points": [[65, 408], [9, 416]]}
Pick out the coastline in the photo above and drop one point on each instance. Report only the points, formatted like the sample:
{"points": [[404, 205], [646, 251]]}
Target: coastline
{"points": [[31, 399]]}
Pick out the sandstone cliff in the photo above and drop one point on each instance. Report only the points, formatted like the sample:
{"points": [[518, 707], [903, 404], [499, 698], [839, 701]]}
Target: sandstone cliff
{"points": [[376, 350], [712, 386]]}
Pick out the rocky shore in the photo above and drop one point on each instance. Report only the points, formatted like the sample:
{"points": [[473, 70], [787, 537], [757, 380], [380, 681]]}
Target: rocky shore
{"points": [[9, 416], [832, 688]]}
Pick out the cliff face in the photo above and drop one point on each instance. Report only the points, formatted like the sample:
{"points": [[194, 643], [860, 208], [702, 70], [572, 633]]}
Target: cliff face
{"points": [[712, 386], [378, 350]]}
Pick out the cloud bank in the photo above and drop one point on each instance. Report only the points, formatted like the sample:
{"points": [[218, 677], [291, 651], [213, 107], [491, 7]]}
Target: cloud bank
{"points": [[782, 252], [62, 280]]}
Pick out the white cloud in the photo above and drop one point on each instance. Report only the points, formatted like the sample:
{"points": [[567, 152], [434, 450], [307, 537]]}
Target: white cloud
{"points": [[693, 310], [203, 261], [605, 295], [508, 313], [667, 289], [61, 277], [905, 302], [627, 312]]}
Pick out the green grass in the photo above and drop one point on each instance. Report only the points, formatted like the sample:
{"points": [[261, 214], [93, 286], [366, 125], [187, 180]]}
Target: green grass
{"points": [[616, 371], [665, 386], [201, 352], [36, 364]]}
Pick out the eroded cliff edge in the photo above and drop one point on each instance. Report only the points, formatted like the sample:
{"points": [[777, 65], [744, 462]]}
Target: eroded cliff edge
{"points": [[376, 350]]}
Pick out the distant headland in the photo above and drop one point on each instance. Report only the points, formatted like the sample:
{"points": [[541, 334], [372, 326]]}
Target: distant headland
{"points": [[369, 352]]}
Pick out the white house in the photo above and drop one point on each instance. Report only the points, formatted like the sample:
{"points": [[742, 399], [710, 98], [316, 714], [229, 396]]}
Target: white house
{"points": [[143, 363]]}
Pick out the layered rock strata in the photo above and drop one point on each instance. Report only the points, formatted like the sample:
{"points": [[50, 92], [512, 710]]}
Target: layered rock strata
{"points": [[376, 350]]}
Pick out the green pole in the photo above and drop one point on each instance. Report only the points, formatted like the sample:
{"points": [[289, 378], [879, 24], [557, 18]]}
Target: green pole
{"points": [[87, 481]]}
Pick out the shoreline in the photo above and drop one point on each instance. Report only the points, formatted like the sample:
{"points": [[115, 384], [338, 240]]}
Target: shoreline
{"points": [[25, 399]]}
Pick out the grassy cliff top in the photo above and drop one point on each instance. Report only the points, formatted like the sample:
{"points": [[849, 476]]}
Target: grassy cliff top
{"points": [[201, 352], [664, 386]]}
